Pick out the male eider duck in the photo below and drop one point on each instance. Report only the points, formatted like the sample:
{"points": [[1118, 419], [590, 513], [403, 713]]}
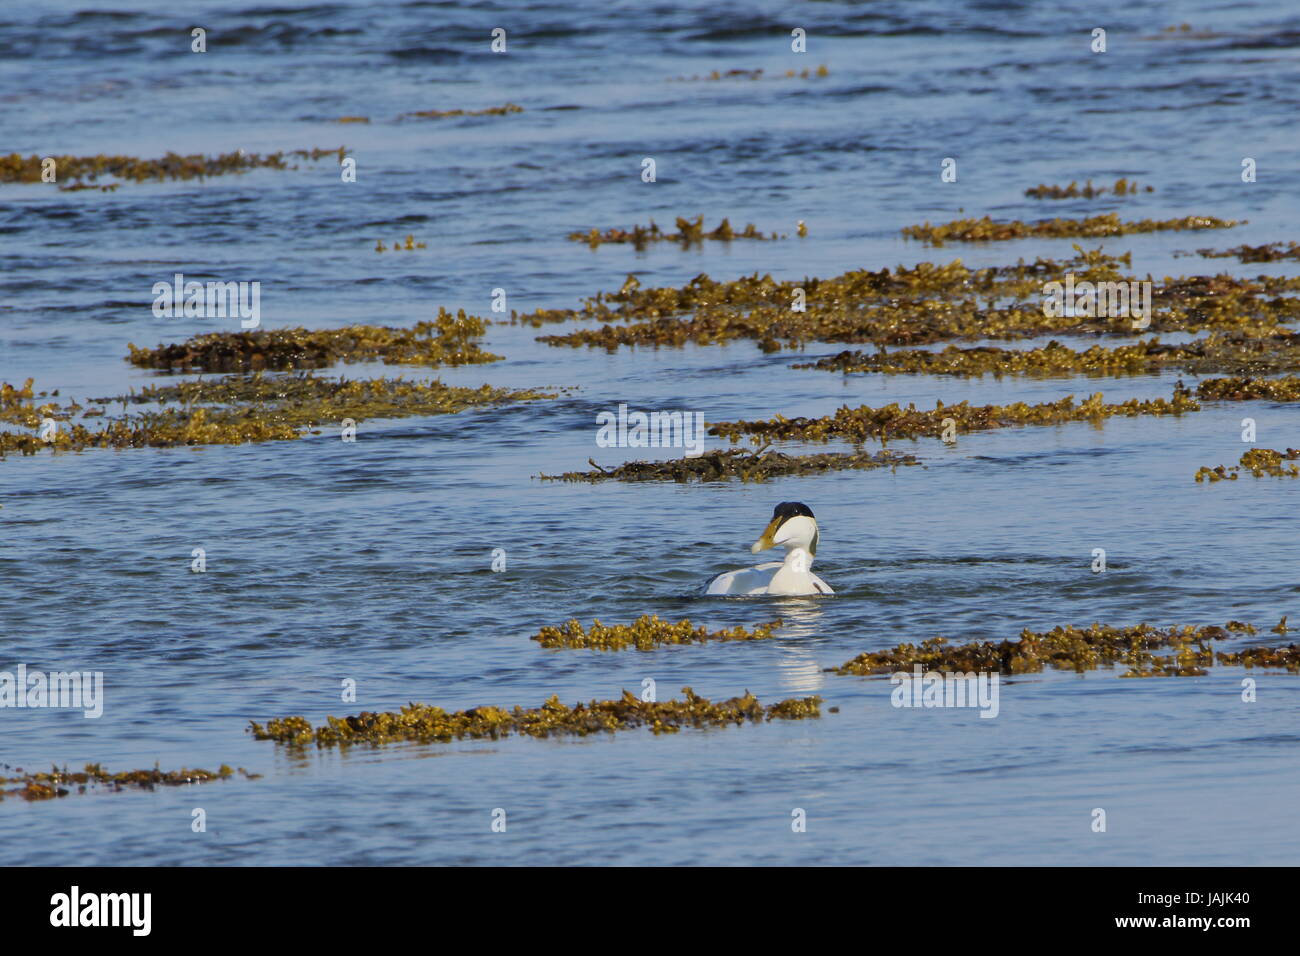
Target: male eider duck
{"points": [[794, 528]]}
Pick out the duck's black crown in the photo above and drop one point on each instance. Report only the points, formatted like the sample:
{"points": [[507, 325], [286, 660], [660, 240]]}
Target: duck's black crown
{"points": [[789, 509]]}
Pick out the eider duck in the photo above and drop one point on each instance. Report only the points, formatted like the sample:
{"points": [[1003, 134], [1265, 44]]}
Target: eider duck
{"points": [[794, 528]]}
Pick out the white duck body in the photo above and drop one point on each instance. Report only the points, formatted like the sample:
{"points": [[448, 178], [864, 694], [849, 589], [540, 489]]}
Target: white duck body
{"points": [[794, 528]]}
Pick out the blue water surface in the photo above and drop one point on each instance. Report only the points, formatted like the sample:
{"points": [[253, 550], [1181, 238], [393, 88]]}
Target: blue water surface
{"points": [[371, 561]]}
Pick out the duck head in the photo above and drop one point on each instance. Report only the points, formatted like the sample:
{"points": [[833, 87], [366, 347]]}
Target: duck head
{"points": [[792, 526]]}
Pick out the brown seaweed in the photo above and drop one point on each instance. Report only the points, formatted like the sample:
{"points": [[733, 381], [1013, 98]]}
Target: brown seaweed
{"points": [[1268, 252], [58, 783], [1259, 462], [1094, 227], [1245, 389], [445, 340], [236, 409], [735, 463], [645, 633], [757, 74], [1122, 187], [505, 110], [689, 232], [1218, 352], [1078, 649], [911, 306], [892, 421], [425, 723], [73, 171]]}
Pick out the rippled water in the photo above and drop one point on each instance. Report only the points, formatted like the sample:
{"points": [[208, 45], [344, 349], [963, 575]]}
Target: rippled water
{"points": [[371, 560]]}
